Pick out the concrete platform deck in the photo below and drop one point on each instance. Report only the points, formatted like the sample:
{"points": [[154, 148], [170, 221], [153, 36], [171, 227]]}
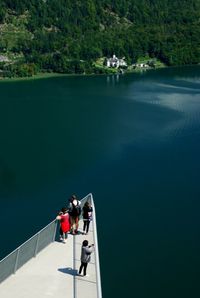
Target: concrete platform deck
{"points": [[53, 272]]}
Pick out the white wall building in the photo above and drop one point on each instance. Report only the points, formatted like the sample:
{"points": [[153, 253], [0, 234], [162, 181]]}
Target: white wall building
{"points": [[115, 62]]}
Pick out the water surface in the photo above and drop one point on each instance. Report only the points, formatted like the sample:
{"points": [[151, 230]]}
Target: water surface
{"points": [[134, 142]]}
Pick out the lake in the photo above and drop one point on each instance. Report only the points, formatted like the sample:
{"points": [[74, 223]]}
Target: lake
{"points": [[134, 142]]}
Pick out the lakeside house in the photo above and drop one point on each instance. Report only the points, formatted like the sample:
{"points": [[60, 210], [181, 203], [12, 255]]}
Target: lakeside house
{"points": [[115, 62], [142, 65], [151, 63]]}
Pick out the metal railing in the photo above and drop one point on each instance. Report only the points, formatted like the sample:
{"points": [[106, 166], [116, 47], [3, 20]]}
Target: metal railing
{"points": [[29, 249], [89, 198], [98, 274]]}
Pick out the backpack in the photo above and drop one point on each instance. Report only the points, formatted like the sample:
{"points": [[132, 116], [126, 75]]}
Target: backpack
{"points": [[75, 210]]}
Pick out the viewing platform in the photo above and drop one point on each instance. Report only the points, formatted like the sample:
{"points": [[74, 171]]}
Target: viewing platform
{"points": [[53, 271]]}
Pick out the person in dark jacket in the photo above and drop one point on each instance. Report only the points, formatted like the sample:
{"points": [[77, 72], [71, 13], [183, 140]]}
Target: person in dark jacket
{"points": [[86, 251], [74, 212], [87, 217]]}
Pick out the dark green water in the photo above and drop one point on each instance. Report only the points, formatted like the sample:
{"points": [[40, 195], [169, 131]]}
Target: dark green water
{"points": [[134, 142]]}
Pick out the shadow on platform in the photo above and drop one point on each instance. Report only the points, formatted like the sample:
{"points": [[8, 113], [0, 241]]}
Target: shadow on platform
{"points": [[68, 270]]}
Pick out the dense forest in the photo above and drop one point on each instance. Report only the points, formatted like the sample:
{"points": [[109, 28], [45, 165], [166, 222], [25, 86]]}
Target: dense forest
{"points": [[67, 36]]}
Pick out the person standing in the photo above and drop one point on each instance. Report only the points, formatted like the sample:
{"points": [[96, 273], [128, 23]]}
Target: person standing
{"points": [[63, 217], [74, 212], [87, 217], [86, 251]]}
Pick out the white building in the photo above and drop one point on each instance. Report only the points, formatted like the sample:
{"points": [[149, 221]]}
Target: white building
{"points": [[116, 62]]}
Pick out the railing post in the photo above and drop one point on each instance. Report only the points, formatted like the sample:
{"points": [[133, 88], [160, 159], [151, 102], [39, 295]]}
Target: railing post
{"points": [[16, 261], [36, 246], [55, 229]]}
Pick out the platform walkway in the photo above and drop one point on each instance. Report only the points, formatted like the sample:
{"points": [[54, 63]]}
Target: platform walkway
{"points": [[53, 272]]}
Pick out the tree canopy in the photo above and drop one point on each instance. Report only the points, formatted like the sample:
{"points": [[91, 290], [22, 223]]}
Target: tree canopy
{"points": [[68, 35]]}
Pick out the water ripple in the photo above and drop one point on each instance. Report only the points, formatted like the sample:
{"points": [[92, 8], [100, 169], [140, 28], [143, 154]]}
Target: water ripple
{"points": [[185, 100], [182, 88]]}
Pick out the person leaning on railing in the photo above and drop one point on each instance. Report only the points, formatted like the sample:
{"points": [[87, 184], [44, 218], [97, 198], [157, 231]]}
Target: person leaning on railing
{"points": [[63, 217]]}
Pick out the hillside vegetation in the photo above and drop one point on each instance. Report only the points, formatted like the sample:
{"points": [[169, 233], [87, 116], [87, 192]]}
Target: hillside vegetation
{"points": [[68, 36]]}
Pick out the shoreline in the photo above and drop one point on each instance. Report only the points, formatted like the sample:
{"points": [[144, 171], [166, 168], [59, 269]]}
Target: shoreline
{"points": [[38, 76], [47, 75]]}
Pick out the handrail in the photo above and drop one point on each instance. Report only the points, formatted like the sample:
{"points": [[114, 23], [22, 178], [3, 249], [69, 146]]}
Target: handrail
{"points": [[55, 220], [98, 275], [27, 240], [29, 249], [89, 198]]}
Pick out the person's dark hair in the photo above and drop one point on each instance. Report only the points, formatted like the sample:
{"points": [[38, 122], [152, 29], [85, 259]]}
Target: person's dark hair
{"points": [[73, 197], [85, 243], [86, 204], [64, 209]]}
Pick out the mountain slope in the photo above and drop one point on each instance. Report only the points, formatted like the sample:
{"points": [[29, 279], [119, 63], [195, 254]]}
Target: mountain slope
{"points": [[68, 35]]}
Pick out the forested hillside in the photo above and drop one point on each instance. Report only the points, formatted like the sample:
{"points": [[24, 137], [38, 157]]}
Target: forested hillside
{"points": [[67, 36]]}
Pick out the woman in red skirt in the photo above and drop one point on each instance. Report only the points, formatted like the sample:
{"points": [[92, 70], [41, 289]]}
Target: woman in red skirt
{"points": [[64, 223]]}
